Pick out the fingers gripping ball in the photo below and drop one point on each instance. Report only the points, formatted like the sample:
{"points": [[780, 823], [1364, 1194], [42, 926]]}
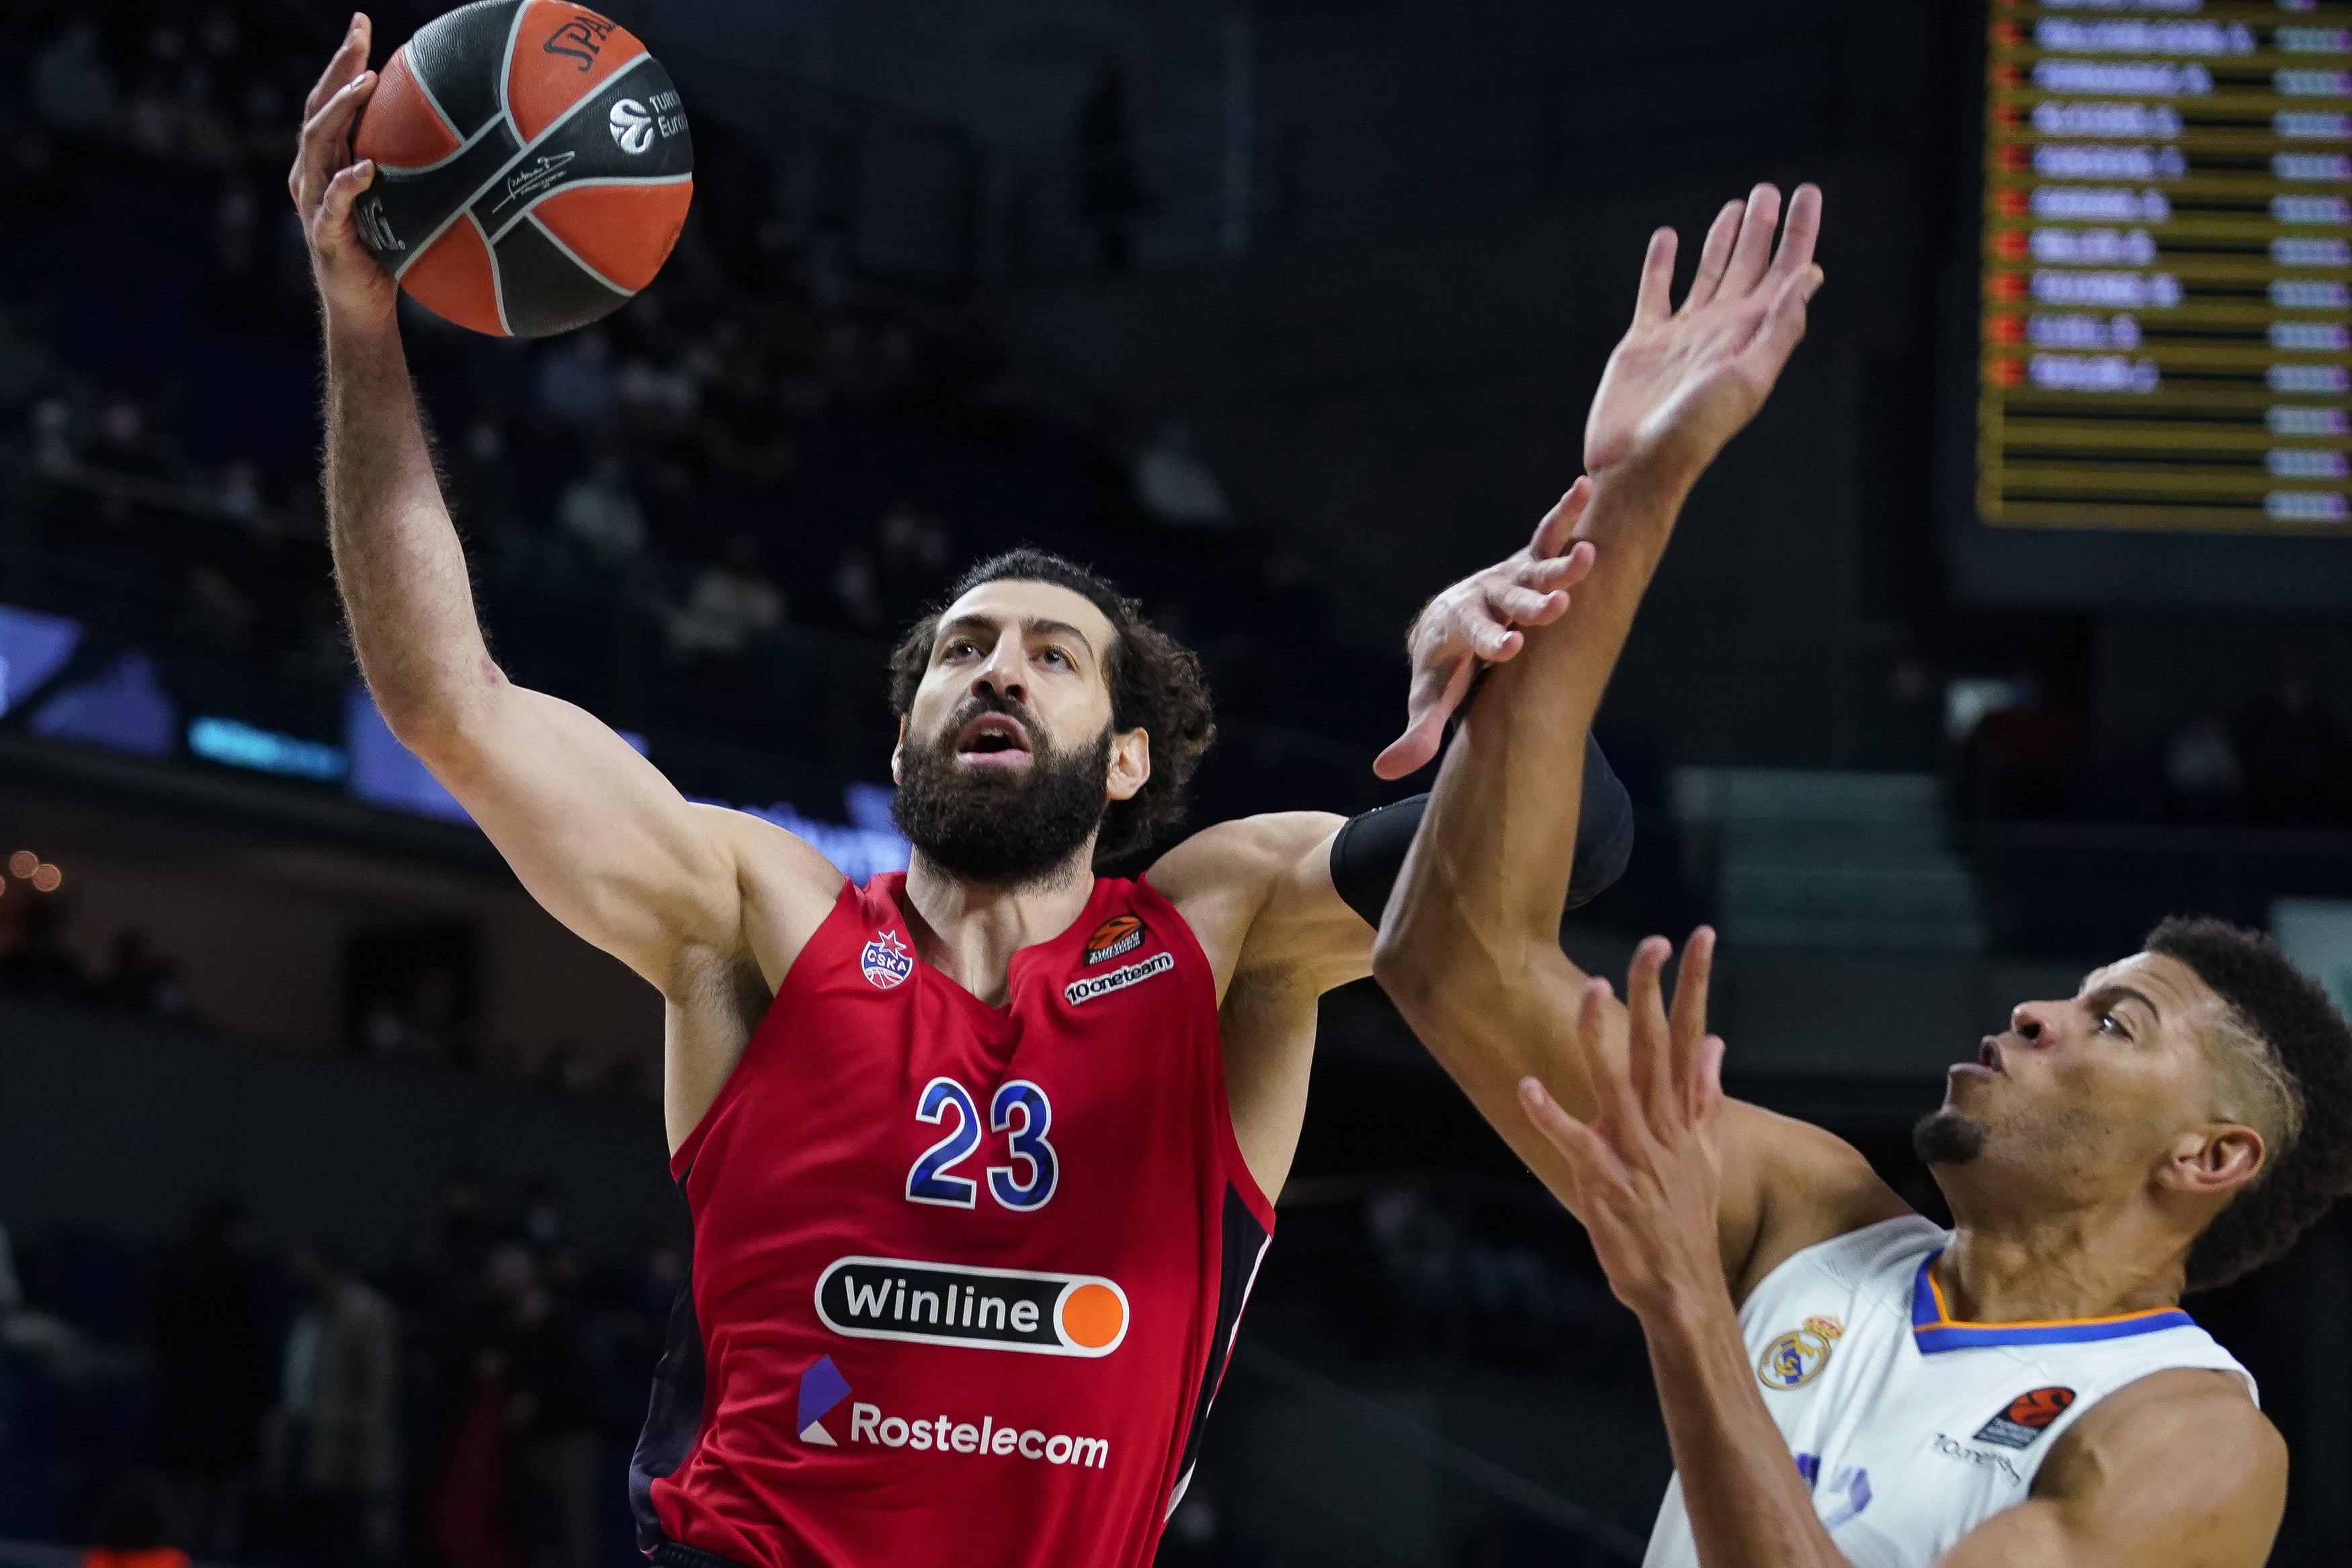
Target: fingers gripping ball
{"points": [[533, 167]]}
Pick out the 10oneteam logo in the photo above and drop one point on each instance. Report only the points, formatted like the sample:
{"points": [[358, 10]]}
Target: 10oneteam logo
{"points": [[980, 1309]]}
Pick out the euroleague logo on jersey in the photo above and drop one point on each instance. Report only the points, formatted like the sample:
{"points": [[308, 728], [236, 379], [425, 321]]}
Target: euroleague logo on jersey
{"points": [[1114, 938], [886, 961], [2022, 1421]]}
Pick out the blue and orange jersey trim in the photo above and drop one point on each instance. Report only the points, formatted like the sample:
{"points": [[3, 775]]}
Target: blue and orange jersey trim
{"points": [[1933, 1329]]}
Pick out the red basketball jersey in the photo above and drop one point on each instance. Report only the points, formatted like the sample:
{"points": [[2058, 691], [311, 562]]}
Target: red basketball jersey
{"points": [[965, 1278]]}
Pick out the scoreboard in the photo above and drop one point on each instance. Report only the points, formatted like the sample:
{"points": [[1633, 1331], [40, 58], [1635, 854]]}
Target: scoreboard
{"points": [[2167, 304]]}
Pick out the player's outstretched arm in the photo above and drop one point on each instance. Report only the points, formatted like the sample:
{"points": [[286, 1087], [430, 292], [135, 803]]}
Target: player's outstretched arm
{"points": [[2177, 1470], [1286, 904], [595, 832], [1469, 948]]}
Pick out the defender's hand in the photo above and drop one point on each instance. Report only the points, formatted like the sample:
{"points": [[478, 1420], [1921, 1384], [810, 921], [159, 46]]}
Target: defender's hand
{"points": [[1648, 1173], [1476, 621], [353, 285], [1682, 383]]}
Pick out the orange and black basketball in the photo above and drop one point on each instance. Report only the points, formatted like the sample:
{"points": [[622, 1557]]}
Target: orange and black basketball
{"points": [[533, 167]]}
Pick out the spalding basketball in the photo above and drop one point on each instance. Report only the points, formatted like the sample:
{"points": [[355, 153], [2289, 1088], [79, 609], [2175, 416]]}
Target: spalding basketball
{"points": [[533, 167]]}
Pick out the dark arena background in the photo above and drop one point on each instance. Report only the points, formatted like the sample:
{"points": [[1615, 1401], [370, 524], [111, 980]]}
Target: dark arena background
{"points": [[2020, 618]]}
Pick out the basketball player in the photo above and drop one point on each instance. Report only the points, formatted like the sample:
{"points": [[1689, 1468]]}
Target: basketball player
{"points": [[978, 1157], [1843, 1381]]}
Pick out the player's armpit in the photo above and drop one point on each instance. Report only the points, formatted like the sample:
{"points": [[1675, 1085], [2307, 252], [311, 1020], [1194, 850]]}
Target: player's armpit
{"points": [[1258, 896], [2177, 1470], [1257, 891]]}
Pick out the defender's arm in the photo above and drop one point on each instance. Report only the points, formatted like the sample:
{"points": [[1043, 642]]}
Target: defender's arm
{"points": [[2177, 1470], [1469, 949]]}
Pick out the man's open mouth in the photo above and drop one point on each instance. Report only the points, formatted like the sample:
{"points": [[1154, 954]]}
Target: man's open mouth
{"points": [[993, 740], [1988, 1059]]}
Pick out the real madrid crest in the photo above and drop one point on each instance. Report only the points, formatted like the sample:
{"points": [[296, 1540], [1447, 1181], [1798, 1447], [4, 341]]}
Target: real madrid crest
{"points": [[1793, 1360]]}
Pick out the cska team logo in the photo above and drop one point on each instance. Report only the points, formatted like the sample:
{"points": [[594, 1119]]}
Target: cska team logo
{"points": [[886, 961]]}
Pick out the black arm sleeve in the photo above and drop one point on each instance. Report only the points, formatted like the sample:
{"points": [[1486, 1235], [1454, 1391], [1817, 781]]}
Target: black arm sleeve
{"points": [[1369, 850]]}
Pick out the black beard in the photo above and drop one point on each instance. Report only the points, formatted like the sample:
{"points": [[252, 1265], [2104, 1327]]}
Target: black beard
{"points": [[1947, 1137], [1001, 829]]}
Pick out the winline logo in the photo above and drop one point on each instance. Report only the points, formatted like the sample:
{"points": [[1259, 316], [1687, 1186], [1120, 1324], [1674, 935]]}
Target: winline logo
{"points": [[982, 1309]]}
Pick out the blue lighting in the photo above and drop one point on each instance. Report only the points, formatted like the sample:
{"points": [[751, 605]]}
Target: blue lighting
{"points": [[33, 647], [383, 773], [386, 773], [240, 745], [123, 708], [857, 851]]}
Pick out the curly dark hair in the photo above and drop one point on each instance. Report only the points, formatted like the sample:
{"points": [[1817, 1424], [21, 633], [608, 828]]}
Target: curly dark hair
{"points": [[2286, 1015], [1156, 686]]}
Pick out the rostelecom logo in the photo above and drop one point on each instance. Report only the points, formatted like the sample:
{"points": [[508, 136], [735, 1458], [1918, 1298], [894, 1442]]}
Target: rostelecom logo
{"points": [[822, 1388]]}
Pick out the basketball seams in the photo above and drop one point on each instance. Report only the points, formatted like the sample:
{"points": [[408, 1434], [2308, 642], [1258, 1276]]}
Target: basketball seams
{"points": [[465, 210], [416, 75], [506, 75], [409, 171], [497, 278], [575, 105], [555, 283], [556, 240], [633, 182], [466, 207]]}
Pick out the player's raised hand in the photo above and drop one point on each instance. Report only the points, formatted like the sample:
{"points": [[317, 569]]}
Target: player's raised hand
{"points": [[1646, 1172], [1682, 383], [1476, 621], [353, 285]]}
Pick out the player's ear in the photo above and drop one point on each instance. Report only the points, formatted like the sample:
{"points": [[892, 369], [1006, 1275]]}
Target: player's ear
{"points": [[1131, 764], [2213, 1161], [897, 748]]}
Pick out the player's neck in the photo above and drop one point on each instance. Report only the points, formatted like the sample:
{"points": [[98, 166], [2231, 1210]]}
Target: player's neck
{"points": [[969, 930], [2055, 1268]]}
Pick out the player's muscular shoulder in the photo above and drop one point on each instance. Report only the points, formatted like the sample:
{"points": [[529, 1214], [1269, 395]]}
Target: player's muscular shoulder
{"points": [[1787, 1186], [786, 889], [1259, 889], [721, 980], [2180, 1469]]}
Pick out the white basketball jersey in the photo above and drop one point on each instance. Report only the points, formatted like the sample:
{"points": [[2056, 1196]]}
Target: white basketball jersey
{"points": [[1913, 1429]]}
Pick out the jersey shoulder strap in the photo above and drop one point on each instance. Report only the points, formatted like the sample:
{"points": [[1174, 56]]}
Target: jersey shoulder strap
{"points": [[1885, 1252]]}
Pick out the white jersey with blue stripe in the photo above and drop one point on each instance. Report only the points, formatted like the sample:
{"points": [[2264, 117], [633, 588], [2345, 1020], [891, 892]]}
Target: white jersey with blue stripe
{"points": [[1911, 1428]]}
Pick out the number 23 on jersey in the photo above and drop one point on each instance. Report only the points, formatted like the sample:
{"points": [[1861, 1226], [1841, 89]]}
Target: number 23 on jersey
{"points": [[1018, 1107]]}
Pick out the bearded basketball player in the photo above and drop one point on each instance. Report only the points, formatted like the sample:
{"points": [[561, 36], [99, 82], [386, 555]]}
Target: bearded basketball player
{"points": [[978, 1157], [1845, 1382]]}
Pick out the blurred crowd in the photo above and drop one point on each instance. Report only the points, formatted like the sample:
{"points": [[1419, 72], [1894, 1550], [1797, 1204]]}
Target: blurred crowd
{"points": [[471, 1406], [472, 1402], [423, 1015], [36, 965], [770, 458], [2284, 761]]}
